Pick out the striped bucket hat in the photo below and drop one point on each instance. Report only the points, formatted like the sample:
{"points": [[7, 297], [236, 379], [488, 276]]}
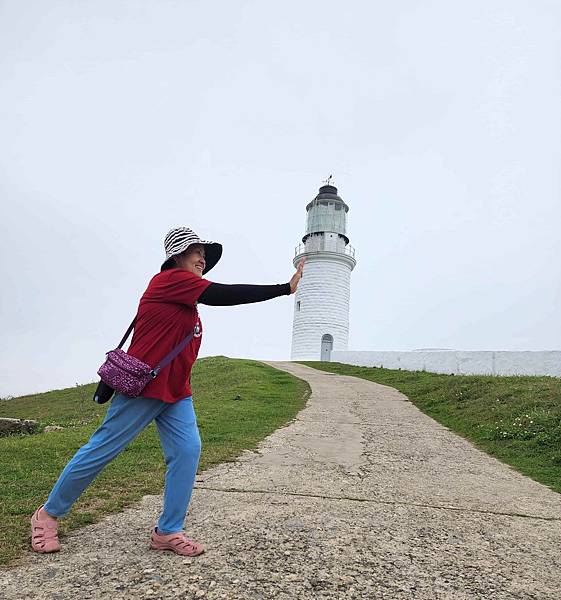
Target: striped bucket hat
{"points": [[180, 238]]}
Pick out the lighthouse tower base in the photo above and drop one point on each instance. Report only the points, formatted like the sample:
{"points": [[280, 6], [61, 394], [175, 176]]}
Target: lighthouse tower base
{"points": [[321, 305]]}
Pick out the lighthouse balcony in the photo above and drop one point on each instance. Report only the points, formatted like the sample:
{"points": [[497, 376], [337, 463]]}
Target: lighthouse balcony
{"points": [[324, 245]]}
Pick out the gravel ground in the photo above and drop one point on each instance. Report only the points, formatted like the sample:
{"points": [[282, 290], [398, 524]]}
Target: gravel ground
{"points": [[362, 496]]}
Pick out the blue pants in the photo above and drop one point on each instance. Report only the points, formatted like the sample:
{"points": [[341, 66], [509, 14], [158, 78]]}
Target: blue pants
{"points": [[125, 419]]}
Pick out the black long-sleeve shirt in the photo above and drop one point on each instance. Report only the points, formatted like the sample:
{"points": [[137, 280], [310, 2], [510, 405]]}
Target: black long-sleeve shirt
{"points": [[220, 294]]}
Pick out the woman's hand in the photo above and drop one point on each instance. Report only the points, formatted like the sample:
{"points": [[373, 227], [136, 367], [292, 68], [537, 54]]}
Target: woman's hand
{"points": [[297, 276]]}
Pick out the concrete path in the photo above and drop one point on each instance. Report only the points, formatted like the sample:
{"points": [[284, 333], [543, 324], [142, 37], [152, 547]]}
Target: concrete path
{"points": [[362, 496]]}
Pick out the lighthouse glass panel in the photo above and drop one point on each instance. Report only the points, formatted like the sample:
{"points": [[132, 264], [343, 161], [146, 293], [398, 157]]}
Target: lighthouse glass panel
{"points": [[326, 216]]}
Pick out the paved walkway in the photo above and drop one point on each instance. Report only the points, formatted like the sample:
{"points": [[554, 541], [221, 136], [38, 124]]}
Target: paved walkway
{"points": [[362, 496]]}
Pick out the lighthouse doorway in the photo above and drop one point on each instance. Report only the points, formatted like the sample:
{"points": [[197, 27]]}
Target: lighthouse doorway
{"points": [[326, 347]]}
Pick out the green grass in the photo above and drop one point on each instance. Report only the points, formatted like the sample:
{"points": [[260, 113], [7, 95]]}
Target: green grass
{"points": [[30, 464], [516, 419]]}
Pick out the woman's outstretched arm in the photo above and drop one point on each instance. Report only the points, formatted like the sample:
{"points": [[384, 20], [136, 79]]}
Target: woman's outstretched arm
{"points": [[220, 294]]}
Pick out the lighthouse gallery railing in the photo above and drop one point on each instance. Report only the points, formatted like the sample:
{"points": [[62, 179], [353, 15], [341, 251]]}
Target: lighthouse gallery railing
{"points": [[348, 250]]}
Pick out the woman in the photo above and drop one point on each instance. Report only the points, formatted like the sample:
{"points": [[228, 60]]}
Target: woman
{"points": [[167, 311]]}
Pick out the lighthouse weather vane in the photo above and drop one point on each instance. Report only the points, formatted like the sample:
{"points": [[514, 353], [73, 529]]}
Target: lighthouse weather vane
{"points": [[328, 180]]}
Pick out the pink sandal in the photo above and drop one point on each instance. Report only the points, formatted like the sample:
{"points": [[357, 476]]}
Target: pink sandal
{"points": [[44, 536], [176, 542]]}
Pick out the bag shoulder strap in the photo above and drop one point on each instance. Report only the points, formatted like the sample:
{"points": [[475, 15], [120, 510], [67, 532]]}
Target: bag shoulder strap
{"points": [[167, 359], [127, 333]]}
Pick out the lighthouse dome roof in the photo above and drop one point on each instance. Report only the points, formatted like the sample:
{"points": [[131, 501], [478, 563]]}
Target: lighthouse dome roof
{"points": [[327, 192]]}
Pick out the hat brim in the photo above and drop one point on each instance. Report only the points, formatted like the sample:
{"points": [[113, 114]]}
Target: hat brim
{"points": [[213, 252]]}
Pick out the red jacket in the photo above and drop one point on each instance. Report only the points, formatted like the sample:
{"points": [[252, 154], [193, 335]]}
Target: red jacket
{"points": [[167, 313]]}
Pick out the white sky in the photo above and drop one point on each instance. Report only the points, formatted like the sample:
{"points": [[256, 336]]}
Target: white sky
{"points": [[441, 122]]}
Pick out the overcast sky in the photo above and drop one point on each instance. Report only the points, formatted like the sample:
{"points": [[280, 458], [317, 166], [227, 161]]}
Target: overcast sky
{"points": [[440, 121]]}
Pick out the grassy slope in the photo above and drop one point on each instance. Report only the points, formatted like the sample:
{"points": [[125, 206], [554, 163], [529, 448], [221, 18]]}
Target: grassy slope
{"points": [[516, 419], [30, 464]]}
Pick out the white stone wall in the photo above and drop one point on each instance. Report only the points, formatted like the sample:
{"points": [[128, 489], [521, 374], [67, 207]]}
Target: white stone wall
{"points": [[459, 362], [323, 293]]}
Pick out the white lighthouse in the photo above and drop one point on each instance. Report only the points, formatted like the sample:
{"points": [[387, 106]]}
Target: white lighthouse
{"points": [[321, 303]]}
